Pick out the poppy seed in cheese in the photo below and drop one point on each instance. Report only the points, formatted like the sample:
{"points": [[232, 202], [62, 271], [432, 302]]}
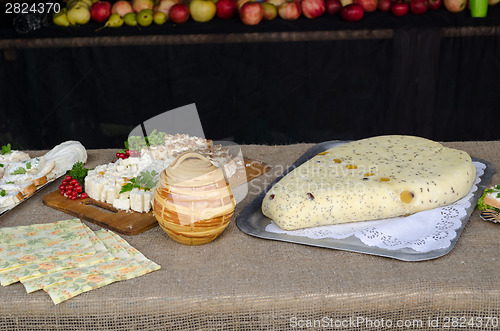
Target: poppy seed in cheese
{"points": [[369, 179]]}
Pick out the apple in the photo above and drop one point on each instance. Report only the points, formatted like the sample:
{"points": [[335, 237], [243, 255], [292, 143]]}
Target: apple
{"points": [[122, 8], [385, 5], [251, 13], [418, 7], [313, 8], [290, 10], [240, 3], [333, 7], [367, 5], [276, 3], [455, 6], [493, 2], [179, 13], [352, 12], [164, 6], [145, 17], [139, 5], [346, 2], [100, 11], [130, 19], [270, 11], [159, 18], [79, 14], [226, 9], [399, 8], [202, 10], [435, 4]]}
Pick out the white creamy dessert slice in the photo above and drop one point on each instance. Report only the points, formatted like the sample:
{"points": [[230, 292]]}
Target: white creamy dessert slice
{"points": [[370, 179]]}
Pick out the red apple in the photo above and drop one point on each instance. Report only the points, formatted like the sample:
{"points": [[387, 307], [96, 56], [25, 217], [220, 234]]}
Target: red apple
{"points": [[179, 13], [333, 7], [240, 3], [251, 13], [352, 12], [100, 11], [435, 4], [313, 8], [385, 5], [368, 5], [226, 9], [399, 8], [164, 6], [455, 6], [290, 10], [418, 7]]}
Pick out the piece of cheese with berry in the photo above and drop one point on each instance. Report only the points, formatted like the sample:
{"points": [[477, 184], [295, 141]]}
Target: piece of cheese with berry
{"points": [[369, 179]]}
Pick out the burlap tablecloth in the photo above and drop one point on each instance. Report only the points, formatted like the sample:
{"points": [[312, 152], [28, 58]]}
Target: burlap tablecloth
{"points": [[246, 283]]}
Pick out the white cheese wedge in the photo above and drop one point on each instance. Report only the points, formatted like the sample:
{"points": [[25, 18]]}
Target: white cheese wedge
{"points": [[122, 203], [370, 179], [148, 201], [137, 200]]}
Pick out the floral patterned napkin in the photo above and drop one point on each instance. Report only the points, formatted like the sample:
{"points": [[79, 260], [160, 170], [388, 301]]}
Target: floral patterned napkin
{"points": [[67, 258]]}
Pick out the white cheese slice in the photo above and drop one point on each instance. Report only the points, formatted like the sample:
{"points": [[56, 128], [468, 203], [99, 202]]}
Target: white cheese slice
{"points": [[148, 201], [137, 200], [369, 179], [122, 203]]}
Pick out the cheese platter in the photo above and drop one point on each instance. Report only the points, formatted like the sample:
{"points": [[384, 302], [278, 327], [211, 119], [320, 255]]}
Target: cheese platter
{"points": [[119, 194]]}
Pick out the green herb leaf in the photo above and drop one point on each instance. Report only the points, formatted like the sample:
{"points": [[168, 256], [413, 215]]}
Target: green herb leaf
{"points": [[145, 181], [9, 183], [28, 165], [126, 188], [6, 149], [3, 193], [19, 171], [1, 165], [79, 172]]}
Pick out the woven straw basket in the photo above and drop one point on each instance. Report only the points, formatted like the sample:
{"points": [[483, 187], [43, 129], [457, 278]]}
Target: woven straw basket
{"points": [[193, 202]]}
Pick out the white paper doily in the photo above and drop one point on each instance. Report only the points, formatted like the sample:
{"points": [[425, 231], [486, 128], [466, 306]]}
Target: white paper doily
{"points": [[423, 232]]}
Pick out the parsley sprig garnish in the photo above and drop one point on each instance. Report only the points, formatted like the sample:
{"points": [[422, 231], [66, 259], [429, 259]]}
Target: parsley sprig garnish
{"points": [[79, 172]]}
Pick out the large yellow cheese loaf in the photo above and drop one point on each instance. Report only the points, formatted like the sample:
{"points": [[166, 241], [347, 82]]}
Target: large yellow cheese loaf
{"points": [[370, 179]]}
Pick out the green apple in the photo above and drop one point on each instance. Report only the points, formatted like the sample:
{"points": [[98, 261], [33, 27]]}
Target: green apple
{"points": [[202, 10], [130, 19], [79, 14], [60, 18], [159, 18], [145, 17]]}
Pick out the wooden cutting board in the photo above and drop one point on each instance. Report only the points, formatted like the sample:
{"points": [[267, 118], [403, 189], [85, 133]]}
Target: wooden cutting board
{"points": [[129, 222]]}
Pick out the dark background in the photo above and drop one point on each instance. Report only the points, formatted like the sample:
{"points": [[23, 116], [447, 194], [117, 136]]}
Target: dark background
{"points": [[436, 76]]}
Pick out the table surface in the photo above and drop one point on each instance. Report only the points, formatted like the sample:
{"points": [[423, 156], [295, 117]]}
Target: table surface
{"points": [[242, 282]]}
